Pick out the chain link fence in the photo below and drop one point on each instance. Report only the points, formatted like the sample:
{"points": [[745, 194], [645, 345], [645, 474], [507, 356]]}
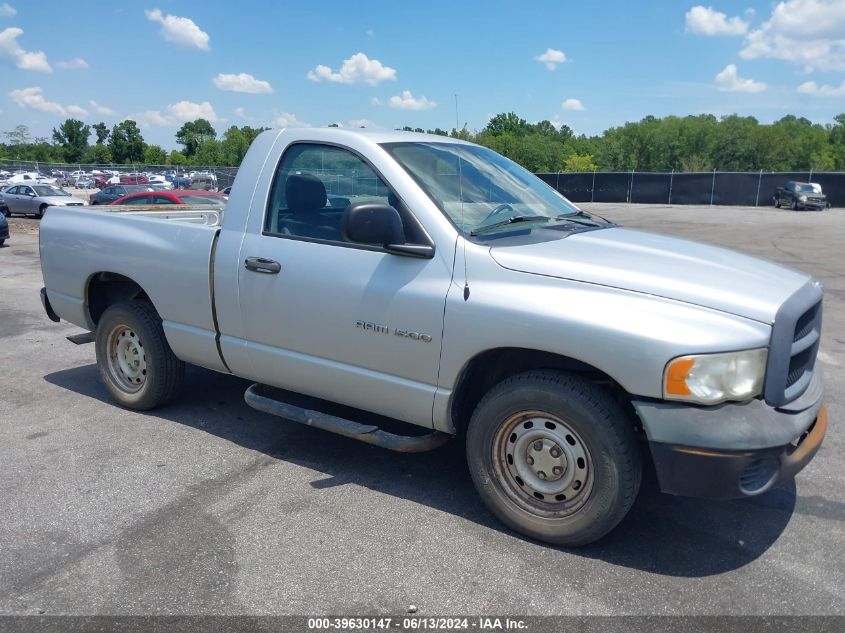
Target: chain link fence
{"points": [[751, 189], [68, 172]]}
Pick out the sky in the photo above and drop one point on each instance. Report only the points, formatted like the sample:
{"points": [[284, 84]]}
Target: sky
{"points": [[590, 65]]}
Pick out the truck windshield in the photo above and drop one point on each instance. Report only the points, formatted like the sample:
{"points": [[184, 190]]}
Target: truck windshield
{"points": [[483, 192]]}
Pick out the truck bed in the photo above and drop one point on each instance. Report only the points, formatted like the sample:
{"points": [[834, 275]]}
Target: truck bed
{"points": [[166, 251]]}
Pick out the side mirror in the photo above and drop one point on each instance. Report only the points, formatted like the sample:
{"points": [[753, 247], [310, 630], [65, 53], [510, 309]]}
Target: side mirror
{"points": [[372, 223], [31, 194], [379, 224]]}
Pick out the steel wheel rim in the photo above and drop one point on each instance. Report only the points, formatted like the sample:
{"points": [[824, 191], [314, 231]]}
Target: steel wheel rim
{"points": [[526, 446], [127, 361]]}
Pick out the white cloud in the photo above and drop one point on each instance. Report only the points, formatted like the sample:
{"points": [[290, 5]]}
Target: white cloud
{"points": [[12, 52], [100, 109], [176, 113], [376, 101], [77, 63], [77, 110], [182, 31], [825, 90], [551, 58], [407, 101], [240, 112], [286, 119], [572, 104], [7, 10], [708, 21], [729, 81], [358, 69], [808, 33], [242, 82], [32, 98], [151, 118], [359, 123], [188, 111]]}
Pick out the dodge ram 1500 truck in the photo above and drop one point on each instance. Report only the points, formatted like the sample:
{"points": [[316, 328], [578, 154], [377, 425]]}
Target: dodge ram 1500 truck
{"points": [[430, 281]]}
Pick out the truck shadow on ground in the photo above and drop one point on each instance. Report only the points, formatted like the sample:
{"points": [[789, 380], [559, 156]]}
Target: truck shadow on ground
{"points": [[662, 534]]}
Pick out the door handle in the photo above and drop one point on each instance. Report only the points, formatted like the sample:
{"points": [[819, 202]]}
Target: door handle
{"points": [[261, 265]]}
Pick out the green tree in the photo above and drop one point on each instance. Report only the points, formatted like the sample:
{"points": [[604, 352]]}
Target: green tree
{"points": [[101, 131], [235, 143], [193, 134], [579, 162], [126, 143], [154, 155], [177, 159], [507, 123], [18, 136], [72, 135], [208, 153], [98, 154]]}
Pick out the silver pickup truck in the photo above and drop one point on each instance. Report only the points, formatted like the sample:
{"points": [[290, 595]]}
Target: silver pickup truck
{"points": [[407, 278]]}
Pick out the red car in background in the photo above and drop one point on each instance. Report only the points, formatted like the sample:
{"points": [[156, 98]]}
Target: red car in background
{"points": [[133, 179], [177, 196]]}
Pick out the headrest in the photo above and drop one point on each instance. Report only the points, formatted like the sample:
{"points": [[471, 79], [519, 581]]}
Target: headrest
{"points": [[305, 193]]}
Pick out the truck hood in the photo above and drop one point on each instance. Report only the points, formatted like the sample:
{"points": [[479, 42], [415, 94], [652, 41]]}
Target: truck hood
{"points": [[669, 267]]}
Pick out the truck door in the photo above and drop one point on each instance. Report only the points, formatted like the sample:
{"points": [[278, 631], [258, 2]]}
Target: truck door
{"points": [[322, 316]]}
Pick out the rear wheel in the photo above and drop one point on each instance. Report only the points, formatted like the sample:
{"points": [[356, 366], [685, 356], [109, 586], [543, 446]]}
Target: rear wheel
{"points": [[554, 457], [135, 361]]}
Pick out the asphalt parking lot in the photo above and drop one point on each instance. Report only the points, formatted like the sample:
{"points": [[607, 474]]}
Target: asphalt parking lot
{"points": [[208, 506]]}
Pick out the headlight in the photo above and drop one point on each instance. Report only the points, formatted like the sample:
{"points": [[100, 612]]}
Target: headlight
{"points": [[802, 198], [715, 378]]}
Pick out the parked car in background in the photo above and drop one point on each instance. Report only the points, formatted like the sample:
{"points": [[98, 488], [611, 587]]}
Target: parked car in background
{"points": [[801, 195], [31, 177], [180, 182], [184, 196], [203, 180], [112, 192], [84, 182], [133, 179], [226, 191], [4, 229], [34, 199], [4, 210]]}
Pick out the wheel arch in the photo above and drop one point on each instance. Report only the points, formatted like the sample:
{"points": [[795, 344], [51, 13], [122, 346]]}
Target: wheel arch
{"points": [[104, 289], [490, 367]]}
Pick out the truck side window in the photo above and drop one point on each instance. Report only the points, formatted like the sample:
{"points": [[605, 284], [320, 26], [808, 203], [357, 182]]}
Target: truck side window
{"points": [[313, 186]]}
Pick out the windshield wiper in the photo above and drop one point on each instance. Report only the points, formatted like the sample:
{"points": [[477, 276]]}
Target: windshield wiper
{"points": [[511, 220], [567, 217]]}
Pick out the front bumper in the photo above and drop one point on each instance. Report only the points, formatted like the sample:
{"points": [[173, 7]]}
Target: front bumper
{"points": [[734, 449], [714, 474]]}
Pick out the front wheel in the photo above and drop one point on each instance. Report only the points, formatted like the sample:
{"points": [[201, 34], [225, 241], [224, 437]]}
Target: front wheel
{"points": [[794, 205], [554, 457], [777, 202], [41, 211], [135, 361]]}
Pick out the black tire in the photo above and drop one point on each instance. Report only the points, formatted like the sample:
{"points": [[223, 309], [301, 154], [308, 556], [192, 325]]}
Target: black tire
{"points": [[794, 205], [604, 434], [157, 376], [3, 241], [41, 211]]}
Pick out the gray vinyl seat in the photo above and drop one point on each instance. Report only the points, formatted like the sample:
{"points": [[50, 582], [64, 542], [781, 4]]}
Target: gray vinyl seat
{"points": [[306, 203]]}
